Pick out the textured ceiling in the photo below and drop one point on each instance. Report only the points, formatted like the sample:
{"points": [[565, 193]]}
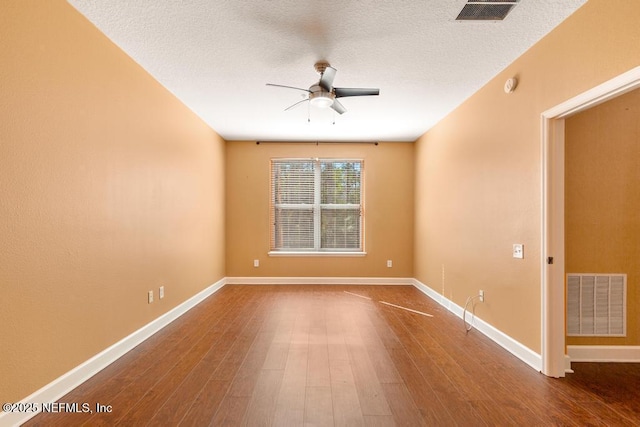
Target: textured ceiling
{"points": [[217, 56]]}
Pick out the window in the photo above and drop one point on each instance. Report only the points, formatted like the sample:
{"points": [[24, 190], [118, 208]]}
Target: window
{"points": [[316, 205]]}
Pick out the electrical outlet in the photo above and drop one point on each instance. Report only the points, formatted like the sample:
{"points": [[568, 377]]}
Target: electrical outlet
{"points": [[481, 295], [518, 250], [161, 292], [256, 263], [389, 263], [150, 296]]}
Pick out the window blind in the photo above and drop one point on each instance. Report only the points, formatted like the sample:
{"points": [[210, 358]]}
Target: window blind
{"points": [[316, 205]]}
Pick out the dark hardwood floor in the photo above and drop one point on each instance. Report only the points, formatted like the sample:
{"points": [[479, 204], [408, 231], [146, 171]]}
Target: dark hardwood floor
{"points": [[328, 355]]}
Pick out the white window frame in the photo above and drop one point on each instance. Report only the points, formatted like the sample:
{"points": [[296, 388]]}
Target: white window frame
{"points": [[317, 208]]}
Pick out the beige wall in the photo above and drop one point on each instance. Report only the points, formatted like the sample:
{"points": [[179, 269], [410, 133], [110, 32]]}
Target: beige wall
{"points": [[388, 198], [109, 187], [478, 172], [602, 200]]}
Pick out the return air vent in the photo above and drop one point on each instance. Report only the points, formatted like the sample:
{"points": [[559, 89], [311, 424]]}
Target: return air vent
{"points": [[486, 10], [596, 305]]}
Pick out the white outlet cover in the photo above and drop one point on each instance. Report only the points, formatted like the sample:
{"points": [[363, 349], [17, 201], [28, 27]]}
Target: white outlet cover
{"points": [[518, 250]]}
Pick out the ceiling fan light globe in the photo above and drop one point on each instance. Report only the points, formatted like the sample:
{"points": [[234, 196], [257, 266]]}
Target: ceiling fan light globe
{"points": [[322, 102]]}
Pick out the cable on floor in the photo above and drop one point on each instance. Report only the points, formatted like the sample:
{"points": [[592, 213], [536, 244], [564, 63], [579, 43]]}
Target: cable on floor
{"points": [[473, 312]]}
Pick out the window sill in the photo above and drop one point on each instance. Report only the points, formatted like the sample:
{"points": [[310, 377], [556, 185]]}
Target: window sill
{"points": [[316, 254]]}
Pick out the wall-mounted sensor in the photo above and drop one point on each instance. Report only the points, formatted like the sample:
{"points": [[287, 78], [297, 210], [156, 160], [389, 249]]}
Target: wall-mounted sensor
{"points": [[510, 85]]}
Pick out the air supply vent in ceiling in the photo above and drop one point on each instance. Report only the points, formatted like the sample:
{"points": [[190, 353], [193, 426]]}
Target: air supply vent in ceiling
{"points": [[486, 10]]}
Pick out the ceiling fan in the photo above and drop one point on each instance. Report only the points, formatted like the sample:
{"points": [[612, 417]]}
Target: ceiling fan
{"points": [[323, 94]]}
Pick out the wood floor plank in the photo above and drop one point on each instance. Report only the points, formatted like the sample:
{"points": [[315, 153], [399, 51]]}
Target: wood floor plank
{"points": [[433, 410], [318, 366], [380, 421], [318, 406], [336, 346], [262, 406], [370, 393], [203, 408], [245, 364], [276, 357], [291, 396], [231, 412], [346, 403], [385, 371], [404, 410], [248, 372]]}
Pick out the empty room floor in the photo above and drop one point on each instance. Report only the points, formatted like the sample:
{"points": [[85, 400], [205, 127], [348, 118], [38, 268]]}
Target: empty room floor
{"points": [[339, 355]]}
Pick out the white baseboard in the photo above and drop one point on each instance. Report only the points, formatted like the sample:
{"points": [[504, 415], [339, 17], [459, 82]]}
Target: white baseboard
{"points": [[319, 281], [604, 353], [514, 347], [567, 364], [81, 373]]}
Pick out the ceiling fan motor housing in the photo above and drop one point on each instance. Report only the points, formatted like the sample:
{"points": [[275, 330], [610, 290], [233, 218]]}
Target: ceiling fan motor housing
{"points": [[320, 97]]}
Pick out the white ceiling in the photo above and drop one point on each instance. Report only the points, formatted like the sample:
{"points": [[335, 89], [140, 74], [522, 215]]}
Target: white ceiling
{"points": [[216, 56]]}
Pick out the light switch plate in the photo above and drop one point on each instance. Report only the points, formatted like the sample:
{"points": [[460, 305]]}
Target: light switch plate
{"points": [[518, 250]]}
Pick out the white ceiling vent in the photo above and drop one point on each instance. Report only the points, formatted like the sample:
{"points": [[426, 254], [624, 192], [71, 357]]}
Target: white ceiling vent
{"points": [[596, 305], [486, 10]]}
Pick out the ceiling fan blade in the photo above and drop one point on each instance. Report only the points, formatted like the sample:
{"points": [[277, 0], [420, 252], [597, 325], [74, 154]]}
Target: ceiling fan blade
{"points": [[339, 108], [297, 103], [290, 87], [326, 80], [355, 91]]}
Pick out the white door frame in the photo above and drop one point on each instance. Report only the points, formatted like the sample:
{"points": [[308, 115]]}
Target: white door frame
{"points": [[552, 273]]}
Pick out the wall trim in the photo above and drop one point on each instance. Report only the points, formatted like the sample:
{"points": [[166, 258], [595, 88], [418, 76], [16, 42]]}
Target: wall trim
{"points": [[514, 347], [81, 373], [610, 89], [319, 281], [604, 353]]}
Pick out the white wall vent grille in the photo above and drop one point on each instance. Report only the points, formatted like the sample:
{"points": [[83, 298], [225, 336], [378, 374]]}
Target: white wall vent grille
{"points": [[596, 305]]}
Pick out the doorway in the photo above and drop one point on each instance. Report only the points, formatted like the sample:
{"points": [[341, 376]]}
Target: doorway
{"points": [[552, 260]]}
